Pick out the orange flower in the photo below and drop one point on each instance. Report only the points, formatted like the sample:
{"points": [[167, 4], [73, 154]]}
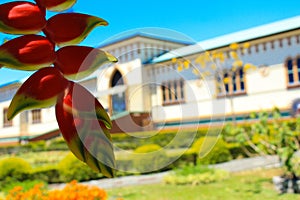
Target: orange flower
{"points": [[21, 17]]}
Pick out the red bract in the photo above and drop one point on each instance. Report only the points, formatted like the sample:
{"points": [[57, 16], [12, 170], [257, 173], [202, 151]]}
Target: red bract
{"points": [[56, 5], [40, 90], [71, 28], [77, 62], [82, 120], [87, 107], [28, 52], [21, 17], [86, 136]]}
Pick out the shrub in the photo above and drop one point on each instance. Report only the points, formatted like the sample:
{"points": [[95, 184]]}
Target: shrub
{"points": [[149, 158], [216, 148], [147, 148], [57, 144], [35, 146], [70, 168], [195, 176], [15, 168], [48, 174], [162, 138]]}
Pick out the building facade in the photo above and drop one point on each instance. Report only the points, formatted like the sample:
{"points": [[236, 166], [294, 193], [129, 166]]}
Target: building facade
{"points": [[154, 84]]}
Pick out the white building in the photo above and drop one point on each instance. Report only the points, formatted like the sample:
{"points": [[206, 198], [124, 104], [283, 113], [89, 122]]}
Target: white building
{"points": [[145, 90]]}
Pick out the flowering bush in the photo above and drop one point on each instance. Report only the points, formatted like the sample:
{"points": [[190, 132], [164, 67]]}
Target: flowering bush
{"points": [[83, 122], [72, 191]]}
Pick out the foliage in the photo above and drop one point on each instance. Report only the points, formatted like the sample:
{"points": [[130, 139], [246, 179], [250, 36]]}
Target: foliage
{"points": [[47, 174], [149, 158], [269, 137], [215, 150], [25, 184], [56, 144], [162, 138], [36, 146], [70, 168], [147, 148], [197, 176], [38, 159], [72, 191], [15, 168]]}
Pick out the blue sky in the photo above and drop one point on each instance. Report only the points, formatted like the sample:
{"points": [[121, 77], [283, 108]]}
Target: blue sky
{"points": [[196, 19]]}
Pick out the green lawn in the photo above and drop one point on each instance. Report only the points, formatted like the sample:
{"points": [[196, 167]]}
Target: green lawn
{"points": [[248, 185]]}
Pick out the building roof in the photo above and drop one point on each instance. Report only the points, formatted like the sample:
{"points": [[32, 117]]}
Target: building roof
{"points": [[9, 83], [237, 37], [144, 35]]}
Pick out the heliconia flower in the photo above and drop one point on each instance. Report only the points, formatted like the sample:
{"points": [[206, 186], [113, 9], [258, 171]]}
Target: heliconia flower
{"points": [[81, 103], [87, 137], [77, 62], [71, 28], [28, 52], [40, 90], [56, 5], [21, 17]]}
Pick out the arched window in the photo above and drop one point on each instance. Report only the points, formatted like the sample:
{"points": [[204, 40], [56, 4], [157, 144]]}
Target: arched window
{"points": [[117, 79], [118, 102]]}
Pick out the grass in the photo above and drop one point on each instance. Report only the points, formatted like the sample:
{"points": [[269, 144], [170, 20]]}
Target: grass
{"points": [[247, 185]]}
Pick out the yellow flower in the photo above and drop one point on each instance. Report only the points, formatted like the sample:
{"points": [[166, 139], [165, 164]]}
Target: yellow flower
{"points": [[226, 80], [214, 55], [207, 57], [234, 55], [246, 45], [186, 64], [249, 66], [199, 59], [174, 60], [234, 46], [221, 56], [233, 68], [179, 68], [237, 63]]}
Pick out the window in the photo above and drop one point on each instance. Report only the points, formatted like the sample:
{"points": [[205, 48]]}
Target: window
{"points": [[293, 71], [173, 92], [118, 100], [231, 83], [6, 122], [36, 116]]}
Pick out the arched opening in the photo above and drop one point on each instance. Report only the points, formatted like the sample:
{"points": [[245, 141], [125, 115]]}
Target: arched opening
{"points": [[118, 101], [117, 79]]}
